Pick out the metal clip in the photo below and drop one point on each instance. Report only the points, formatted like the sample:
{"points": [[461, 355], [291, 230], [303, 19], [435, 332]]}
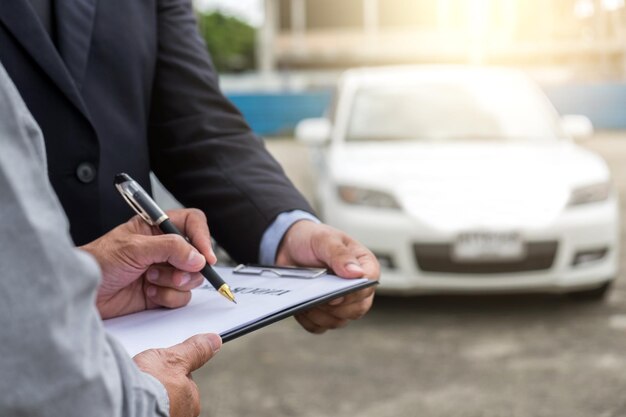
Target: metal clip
{"points": [[280, 271]]}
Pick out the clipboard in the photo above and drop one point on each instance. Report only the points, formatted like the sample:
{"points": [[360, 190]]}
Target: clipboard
{"points": [[262, 299], [288, 312]]}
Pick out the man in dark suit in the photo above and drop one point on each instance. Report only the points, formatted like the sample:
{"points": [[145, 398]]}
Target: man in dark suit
{"points": [[119, 85]]}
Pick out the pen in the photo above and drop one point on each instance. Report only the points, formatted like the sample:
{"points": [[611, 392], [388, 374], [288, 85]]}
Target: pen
{"points": [[151, 213]]}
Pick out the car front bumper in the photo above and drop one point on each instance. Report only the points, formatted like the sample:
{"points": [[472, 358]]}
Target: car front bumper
{"points": [[393, 236]]}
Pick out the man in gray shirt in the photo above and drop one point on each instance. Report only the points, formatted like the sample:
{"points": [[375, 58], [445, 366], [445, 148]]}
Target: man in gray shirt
{"points": [[55, 358]]}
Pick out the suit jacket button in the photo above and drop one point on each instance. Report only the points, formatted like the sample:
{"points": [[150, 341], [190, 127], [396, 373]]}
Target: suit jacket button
{"points": [[86, 172]]}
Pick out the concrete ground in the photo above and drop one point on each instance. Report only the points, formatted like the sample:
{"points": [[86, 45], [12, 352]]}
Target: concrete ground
{"points": [[435, 356]]}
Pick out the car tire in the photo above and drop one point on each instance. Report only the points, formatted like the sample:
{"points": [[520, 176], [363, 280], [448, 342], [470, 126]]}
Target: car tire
{"points": [[593, 294]]}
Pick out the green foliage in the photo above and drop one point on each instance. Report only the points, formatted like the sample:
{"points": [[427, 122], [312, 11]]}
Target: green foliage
{"points": [[231, 41]]}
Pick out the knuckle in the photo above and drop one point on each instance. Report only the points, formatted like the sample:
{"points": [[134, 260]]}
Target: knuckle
{"points": [[132, 250], [133, 243], [161, 356], [361, 310], [323, 236], [172, 241], [174, 360], [356, 315], [197, 213], [136, 225], [199, 351], [325, 320], [175, 299], [166, 298], [175, 246], [196, 281], [368, 293]]}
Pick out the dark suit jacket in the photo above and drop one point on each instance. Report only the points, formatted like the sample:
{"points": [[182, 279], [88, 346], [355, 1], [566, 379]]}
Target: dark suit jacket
{"points": [[130, 87]]}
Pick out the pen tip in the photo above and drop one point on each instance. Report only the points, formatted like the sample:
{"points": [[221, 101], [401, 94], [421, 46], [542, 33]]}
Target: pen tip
{"points": [[225, 291]]}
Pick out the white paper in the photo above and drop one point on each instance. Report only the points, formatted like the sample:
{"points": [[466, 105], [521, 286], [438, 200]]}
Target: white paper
{"points": [[257, 297]]}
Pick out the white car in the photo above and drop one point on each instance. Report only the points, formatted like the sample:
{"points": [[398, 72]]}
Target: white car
{"points": [[465, 179]]}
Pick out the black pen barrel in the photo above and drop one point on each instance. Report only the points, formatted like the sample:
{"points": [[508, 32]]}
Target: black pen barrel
{"points": [[209, 273], [169, 228]]}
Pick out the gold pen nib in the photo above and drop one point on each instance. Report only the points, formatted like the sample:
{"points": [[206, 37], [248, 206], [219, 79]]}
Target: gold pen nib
{"points": [[225, 291]]}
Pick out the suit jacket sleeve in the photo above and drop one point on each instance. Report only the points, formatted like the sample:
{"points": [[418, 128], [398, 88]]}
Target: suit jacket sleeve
{"points": [[55, 358], [202, 149]]}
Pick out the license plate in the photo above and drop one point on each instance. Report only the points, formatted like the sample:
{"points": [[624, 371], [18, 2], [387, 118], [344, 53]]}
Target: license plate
{"points": [[486, 246]]}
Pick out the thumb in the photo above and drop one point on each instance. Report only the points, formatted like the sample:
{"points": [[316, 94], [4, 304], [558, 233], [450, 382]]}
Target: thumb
{"points": [[337, 254], [197, 350]]}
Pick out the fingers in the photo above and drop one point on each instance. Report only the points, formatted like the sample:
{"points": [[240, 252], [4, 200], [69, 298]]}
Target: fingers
{"points": [[351, 298], [333, 250], [166, 297], [144, 251], [317, 321], [368, 262], [170, 287], [166, 276], [344, 255], [350, 310], [193, 224], [197, 350], [309, 325], [337, 313]]}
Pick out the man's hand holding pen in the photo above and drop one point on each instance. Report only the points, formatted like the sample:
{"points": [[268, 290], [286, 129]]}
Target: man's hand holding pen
{"points": [[144, 269]]}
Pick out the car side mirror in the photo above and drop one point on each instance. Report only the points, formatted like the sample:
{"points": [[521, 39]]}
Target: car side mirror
{"points": [[314, 132], [576, 126]]}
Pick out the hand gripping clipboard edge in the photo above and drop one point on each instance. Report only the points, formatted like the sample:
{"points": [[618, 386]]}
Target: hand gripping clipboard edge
{"points": [[290, 311]]}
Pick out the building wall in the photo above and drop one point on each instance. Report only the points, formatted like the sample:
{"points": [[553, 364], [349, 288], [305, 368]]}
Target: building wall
{"points": [[407, 13], [339, 33], [325, 14]]}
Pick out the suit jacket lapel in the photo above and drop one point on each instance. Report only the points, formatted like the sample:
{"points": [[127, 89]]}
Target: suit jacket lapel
{"points": [[21, 21], [75, 19]]}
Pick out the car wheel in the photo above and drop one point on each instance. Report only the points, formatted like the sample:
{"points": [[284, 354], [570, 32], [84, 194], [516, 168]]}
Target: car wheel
{"points": [[594, 294]]}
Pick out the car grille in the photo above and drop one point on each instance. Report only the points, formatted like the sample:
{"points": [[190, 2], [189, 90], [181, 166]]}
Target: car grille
{"points": [[438, 258]]}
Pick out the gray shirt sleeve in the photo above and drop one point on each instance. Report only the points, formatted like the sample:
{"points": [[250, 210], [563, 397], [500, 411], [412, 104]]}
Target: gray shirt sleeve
{"points": [[55, 358]]}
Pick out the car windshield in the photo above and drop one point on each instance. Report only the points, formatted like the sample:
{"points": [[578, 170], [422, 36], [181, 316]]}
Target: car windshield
{"points": [[508, 109]]}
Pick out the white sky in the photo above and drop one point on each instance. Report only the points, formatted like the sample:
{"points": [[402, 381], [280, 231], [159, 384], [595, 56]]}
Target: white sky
{"points": [[250, 11]]}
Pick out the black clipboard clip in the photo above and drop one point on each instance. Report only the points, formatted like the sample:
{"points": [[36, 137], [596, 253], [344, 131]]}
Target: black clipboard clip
{"points": [[280, 271]]}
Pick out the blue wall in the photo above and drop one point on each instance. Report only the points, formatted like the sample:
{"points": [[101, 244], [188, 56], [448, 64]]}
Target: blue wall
{"points": [[278, 113]]}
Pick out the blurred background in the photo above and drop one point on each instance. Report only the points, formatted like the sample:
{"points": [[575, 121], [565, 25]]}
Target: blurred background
{"points": [[505, 301]]}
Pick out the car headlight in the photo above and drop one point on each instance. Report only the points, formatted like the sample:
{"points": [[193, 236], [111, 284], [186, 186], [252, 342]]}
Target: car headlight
{"points": [[366, 197], [590, 194]]}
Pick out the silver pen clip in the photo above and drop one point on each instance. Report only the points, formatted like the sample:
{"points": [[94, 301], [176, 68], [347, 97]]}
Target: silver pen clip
{"points": [[131, 190]]}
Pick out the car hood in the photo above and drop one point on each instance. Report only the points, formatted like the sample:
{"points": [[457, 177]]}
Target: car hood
{"points": [[472, 185]]}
